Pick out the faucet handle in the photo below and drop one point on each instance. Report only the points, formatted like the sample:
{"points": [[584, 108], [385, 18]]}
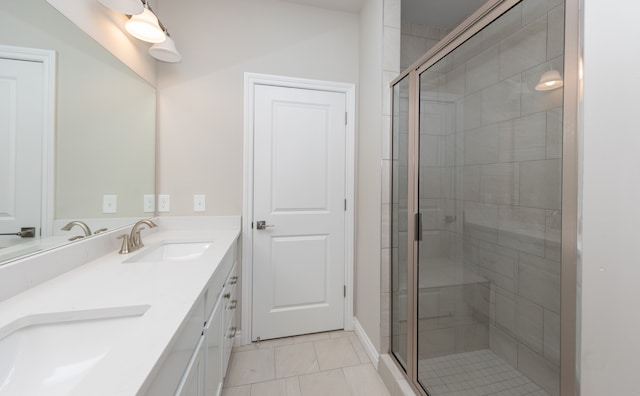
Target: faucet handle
{"points": [[137, 239], [125, 244]]}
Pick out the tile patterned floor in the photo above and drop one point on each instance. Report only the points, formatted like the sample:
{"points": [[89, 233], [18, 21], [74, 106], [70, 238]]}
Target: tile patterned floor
{"points": [[322, 364], [475, 373]]}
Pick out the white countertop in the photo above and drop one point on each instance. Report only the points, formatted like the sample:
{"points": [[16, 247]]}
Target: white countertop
{"points": [[170, 289]]}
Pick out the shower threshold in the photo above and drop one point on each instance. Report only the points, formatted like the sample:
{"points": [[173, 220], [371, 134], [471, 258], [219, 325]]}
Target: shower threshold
{"points": [[476, 373]]}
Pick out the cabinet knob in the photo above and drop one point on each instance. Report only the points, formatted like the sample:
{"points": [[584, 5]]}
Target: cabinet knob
{"points": [[226, 295], [233, 280], [232, 332], [233, 304]]}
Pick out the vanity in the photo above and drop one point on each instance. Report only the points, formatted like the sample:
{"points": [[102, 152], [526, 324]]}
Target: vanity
{"points": [[157, 321], [77, 317]]}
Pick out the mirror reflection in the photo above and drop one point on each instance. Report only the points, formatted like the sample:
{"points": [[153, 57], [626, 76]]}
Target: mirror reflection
{"points": [[80, 158]]}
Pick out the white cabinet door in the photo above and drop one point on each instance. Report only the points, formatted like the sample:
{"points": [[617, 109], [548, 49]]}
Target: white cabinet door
{"points": [[193, 381], [299, 191], [214, 343], [168, 378]]}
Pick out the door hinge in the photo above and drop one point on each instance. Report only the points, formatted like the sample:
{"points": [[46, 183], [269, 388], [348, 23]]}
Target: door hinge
{"points": [[345, 205], [345, 291], [346, 118], [252, 225]]}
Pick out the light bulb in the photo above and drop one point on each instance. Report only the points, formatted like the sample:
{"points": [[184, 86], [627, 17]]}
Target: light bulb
{"points": [[145, 27], [550, 80]]}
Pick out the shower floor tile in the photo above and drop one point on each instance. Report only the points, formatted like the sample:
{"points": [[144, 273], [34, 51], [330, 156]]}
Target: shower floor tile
{"points": [[475, 373]]}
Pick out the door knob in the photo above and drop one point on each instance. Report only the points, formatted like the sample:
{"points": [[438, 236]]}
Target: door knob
{"points": [[261, 225]]}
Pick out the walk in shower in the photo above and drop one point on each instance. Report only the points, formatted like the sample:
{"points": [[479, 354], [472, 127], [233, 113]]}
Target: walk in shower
{"points": [[477, 206]]}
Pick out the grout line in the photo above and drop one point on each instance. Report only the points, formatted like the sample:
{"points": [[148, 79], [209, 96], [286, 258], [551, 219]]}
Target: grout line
{"points": [[275, 375]]}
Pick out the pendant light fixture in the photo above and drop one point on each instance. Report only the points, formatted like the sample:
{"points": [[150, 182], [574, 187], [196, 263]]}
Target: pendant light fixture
{"points": [[550, 80], [129, 7], [145, 27], [166, 51]]}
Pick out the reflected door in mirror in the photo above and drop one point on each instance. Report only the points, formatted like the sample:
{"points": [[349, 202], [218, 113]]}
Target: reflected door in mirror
{"points": [[21, 132]]}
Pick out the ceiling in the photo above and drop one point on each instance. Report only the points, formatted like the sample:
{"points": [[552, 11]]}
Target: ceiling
{"points": [[440, 13], [340, 5]]}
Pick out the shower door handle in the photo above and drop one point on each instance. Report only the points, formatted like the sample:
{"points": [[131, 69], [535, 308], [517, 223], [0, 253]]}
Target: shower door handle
{"points": [[417, 224]]}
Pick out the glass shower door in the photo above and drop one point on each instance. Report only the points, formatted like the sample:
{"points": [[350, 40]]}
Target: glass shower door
{"points": [[489, 193], [399, 231]]}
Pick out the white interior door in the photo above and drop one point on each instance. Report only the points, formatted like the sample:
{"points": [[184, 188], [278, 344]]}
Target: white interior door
{"points": [[299, 192], [21, 146]]}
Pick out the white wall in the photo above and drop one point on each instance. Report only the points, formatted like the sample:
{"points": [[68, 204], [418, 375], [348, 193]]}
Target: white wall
{"points": [[368, 184], [611, 195], [200, 101]]}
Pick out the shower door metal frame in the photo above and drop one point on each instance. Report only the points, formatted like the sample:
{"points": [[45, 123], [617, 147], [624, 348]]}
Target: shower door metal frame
{"points": [[490, 11], [571, 165]]}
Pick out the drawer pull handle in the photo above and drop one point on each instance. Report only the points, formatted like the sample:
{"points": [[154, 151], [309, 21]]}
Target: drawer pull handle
{"points": [[233, 304], [227, 295], [232, 332], [233, 280]]}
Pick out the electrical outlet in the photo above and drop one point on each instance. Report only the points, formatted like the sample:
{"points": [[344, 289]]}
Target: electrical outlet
{"points": [[163, 203], [199, 203], [149, 203], [109, 203]]}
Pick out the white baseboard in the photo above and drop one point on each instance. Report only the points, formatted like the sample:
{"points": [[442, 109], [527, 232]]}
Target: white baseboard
{"points": [[371, 350]]}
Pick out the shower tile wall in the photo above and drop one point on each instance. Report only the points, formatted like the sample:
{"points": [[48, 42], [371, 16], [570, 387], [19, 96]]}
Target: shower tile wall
{"points": [[416, 40], [491, 170]]}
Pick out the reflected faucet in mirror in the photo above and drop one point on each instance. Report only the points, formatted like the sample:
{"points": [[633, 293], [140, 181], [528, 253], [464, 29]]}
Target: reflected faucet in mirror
{"points": [[133, 242], [81, 224]]}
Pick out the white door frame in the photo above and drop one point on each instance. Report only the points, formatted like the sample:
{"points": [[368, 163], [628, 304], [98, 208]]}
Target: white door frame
{"points": [[250, 81], [48, 60]]}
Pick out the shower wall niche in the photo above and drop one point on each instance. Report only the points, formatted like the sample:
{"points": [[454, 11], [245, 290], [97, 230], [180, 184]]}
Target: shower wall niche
{"points": [[477, 180]]}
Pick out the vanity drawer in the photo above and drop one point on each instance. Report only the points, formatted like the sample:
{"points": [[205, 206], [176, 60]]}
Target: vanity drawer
{"points": [[230, 304], [230, 296], [220, 279], [227, 343], [230, 285]]}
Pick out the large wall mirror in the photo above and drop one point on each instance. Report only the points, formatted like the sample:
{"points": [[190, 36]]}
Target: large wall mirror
{"points": [[103, 141]]}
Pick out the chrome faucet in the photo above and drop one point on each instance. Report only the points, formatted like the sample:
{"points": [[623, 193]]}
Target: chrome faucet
{"points": [[133, 242], [81, 224]]}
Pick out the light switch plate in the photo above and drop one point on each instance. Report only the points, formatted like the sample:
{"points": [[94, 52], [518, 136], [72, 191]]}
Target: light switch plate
{"points": [[163, 202], [109, 203], [149, 203], [199, 203]]}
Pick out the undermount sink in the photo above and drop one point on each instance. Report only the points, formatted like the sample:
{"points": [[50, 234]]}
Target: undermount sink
{"points": [[49, 354], [171, 251]]}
